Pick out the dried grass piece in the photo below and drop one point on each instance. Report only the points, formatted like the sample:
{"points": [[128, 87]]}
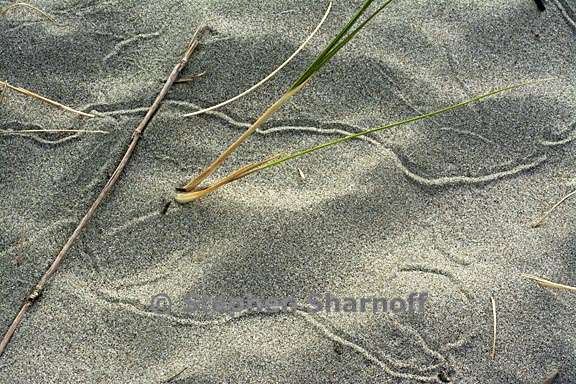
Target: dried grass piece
{"points": [[29, 93], [8, 132], [493, 353], [549, 284], [540, 221], [37, 10]]}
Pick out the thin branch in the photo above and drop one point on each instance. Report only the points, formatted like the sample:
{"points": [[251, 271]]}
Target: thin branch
{"points": [[540, 221], [263, 81], [4, 11], [44, 99], [40, 286], [493, 353], [549, 284]]}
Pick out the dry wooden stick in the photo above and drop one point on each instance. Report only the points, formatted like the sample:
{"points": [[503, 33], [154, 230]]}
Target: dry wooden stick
{"points": [[44, 99], [39, 288]]}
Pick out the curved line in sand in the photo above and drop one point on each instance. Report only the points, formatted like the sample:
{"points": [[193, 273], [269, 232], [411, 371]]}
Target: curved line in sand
{"points": [[263, 81]]}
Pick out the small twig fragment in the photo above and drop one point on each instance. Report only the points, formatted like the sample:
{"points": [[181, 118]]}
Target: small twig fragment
{"points": [[540, 221], [302, 175], [493, 353], [166, 207], [190, 78], [174, 377]]}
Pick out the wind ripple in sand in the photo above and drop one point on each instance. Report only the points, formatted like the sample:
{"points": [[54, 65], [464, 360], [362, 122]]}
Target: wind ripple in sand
{"points": [[466, 180], [126, 42], [240, 124], [571, 136], [439, 272], [135, 306], [437, 182], [365, 353]]}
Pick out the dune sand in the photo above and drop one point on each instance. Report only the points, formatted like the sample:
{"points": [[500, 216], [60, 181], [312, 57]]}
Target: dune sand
{"points": [[441, 206]]}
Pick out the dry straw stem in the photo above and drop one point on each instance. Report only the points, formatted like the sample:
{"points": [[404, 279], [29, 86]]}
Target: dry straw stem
{"points": [[11, 132], [493, 352], [44, 99], [136, 135], [279, 159], [338, 42], [6, 9], [540, 221], [549, 284], [271, 75]]}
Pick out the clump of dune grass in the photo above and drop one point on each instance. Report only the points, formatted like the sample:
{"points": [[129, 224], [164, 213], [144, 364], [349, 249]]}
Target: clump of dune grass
{"points": [[194, 190], [36, 96], [273, 161], [549, 284], [347, 33], [32, 8]]}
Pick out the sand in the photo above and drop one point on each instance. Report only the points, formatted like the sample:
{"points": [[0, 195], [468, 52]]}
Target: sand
{"points": [[441, 206]]}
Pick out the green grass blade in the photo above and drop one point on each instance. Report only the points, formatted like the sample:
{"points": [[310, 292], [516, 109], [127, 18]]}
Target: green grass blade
{"points": [[337, 43], [350, 36], [425, 116]]}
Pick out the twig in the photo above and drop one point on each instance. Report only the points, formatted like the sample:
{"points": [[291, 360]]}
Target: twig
{"points": [[40, 286], [165, 207], [4, 11], [302, 175], [549, 284], [190, 78], [44, 99], [271, 75], [19, 248], [540, 221], [493, 353], [171, 379]]}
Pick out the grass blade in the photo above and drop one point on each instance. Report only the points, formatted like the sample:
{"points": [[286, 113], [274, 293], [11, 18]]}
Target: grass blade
{"points": [[192, 194], [398, 123], [549, 284], [339, 41], [335, 45], [271, 75], [44, 99]]}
